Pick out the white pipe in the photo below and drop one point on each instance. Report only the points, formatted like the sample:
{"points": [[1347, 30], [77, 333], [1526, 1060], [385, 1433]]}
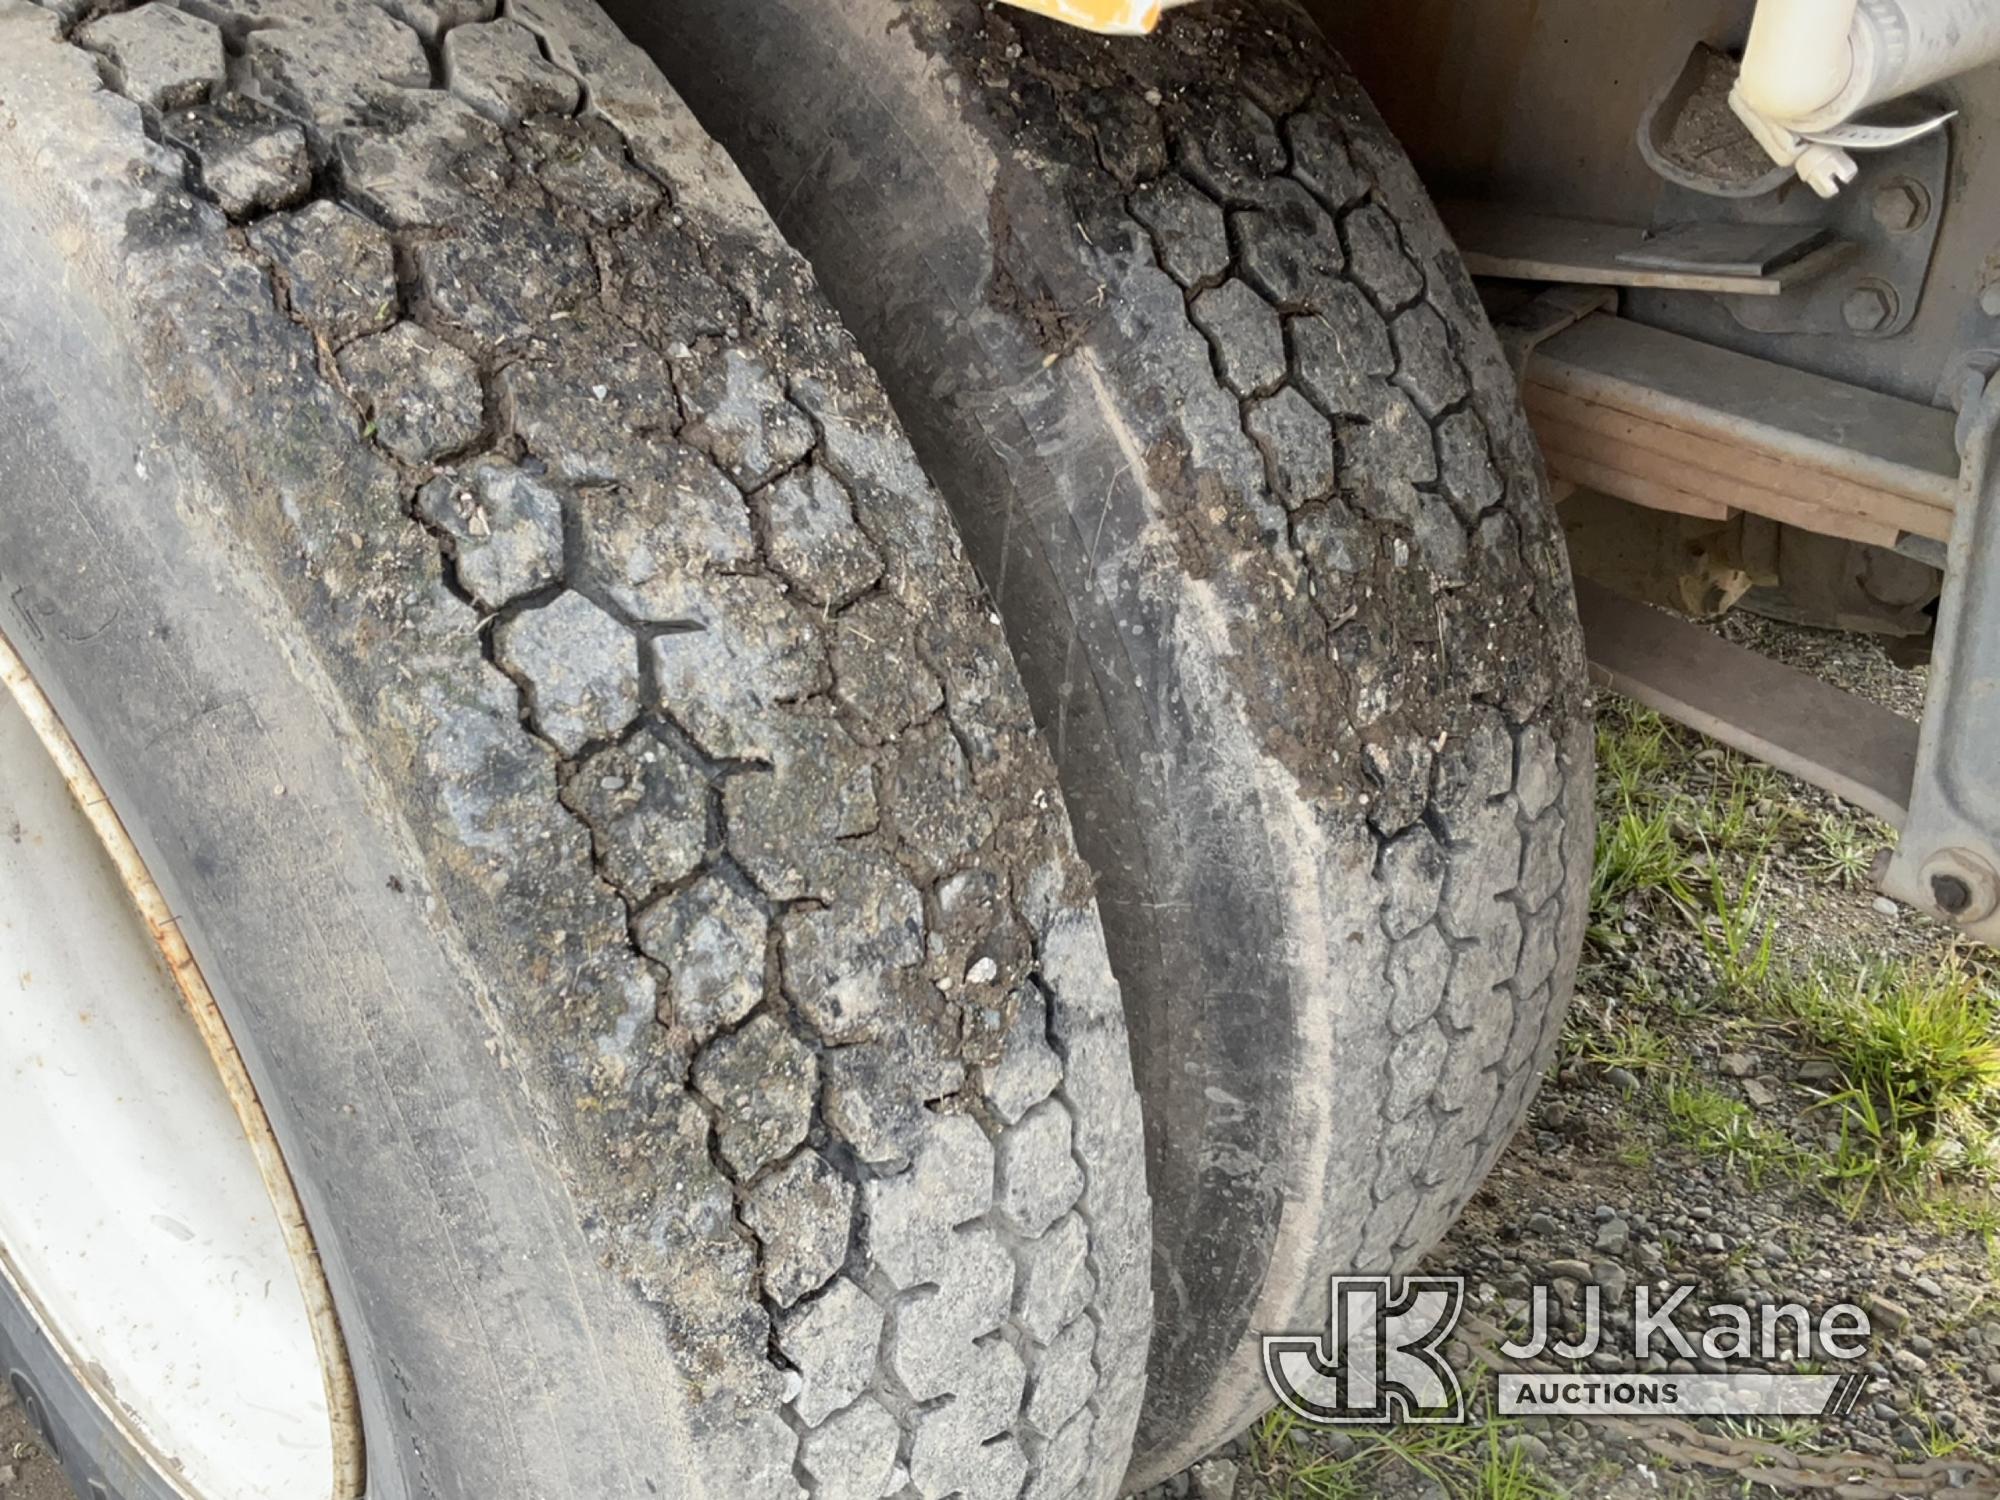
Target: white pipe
{"points": [[1813, 65], [1905, 45], [1799, 58]]}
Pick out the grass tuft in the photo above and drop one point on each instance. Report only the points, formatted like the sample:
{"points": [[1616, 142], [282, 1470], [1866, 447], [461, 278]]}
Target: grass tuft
{"points": [[1918, 1052], [1637, 853], [1844, 852], [1692, 836], [1718, 1124], [1736, 933], [1296, 1461]]}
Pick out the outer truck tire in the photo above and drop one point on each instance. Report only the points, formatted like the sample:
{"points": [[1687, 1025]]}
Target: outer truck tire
{"points": [[499, 600]]}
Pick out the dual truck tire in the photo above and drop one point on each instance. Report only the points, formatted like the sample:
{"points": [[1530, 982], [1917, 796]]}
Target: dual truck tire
{"points": [[498, 594]]}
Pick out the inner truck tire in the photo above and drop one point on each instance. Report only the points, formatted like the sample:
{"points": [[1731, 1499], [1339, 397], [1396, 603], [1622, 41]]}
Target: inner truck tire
{"points": [[498, 596], [1175, 328]]}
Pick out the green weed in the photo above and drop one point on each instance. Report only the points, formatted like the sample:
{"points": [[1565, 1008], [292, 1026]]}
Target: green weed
{"points": [[1635, 748], [1918, 1049], [1716, 1124], [1470, 1462], [1615, 1041], [1736, 933], [1844, 852], [1637, 853]]}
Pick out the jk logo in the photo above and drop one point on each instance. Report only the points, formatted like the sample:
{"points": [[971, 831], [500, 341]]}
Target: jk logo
{"points": [[1378, 1361]]}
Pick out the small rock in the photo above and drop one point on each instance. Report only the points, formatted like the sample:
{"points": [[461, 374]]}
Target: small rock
{"points": [[1612, 1236], [1622, 1079], [1214, 1479], [1761, 1092], [1575, 1270], [1612, 1279], [1737, 1064], [1713, 1242], [1881, 1309], [1543, 1224], [1928, 1285], [1526, 1447], [1885, 906], [1816, 1071]]}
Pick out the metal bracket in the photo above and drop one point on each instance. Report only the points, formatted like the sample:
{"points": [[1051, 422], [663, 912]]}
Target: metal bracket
{"points": [[1948, 861], [1890, 217]]}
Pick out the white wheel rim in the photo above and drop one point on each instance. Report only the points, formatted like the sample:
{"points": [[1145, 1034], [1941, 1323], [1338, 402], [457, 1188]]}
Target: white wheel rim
{"points": [[146, 1218]]}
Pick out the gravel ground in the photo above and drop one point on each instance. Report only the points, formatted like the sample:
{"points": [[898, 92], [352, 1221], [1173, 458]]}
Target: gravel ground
{"points": [[1683, 1137], [1611, 1184], [26, 1470]]}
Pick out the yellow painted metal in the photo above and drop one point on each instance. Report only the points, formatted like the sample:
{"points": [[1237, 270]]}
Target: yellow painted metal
{"points": [[1114, 17]]}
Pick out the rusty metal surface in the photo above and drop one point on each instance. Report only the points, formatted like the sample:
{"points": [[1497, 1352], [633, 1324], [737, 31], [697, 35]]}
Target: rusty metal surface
{"points": [[1855, 749]]}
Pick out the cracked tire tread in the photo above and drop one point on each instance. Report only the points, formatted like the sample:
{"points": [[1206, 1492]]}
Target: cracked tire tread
{"points": [[1294, 598], [668, 657]]}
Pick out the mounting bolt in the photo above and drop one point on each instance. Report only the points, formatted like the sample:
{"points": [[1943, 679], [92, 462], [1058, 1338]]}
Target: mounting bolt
{"points": [[1951, 893], [1901, 206], [1869, 308], [1962, 884]]}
